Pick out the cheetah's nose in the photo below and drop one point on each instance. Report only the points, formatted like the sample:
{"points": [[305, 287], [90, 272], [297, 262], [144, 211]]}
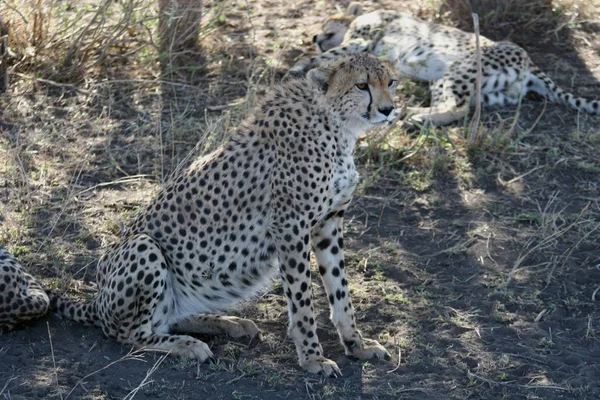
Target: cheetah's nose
{"points": [[386, 110]]}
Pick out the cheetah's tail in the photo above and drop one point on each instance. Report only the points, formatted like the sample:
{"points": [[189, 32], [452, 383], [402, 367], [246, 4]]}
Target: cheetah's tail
{"points": [[541, 83], [83, 313]]}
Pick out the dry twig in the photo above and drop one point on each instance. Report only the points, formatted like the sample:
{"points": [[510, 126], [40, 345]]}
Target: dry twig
{"points": [[477, 117]]}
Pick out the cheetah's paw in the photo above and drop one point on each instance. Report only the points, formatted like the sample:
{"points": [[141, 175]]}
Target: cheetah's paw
{"points": [[323, 365], [243, 327], [371, 349], [194, 349]]}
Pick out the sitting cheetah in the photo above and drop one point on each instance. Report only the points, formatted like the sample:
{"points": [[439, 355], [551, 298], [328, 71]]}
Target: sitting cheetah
{"points": [[21, 298], [444, 56], [219, 230]]}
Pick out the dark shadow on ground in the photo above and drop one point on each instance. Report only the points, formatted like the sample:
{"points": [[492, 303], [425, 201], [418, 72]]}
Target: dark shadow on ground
{"points": [[544, 29]]}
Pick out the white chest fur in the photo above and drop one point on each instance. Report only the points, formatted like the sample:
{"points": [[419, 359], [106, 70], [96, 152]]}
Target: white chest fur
{"points": [[345, 178]]}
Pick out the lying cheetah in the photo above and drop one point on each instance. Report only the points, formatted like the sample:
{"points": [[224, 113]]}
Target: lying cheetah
{"points": [[442, 55], [218, 231], [21, 298]]}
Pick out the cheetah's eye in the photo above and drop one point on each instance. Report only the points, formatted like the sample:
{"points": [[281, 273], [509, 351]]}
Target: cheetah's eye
{"points": [[392, 83], [362, 86]]}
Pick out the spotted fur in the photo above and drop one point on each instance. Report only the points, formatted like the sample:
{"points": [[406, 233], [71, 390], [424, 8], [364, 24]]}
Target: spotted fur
{"points": [[442, 55], [224, 226], [22, 298]]}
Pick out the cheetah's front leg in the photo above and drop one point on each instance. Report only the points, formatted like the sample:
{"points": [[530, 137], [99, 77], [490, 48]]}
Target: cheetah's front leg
{"points": [[436, 116], [328, 247], [294, 255], [217, 324]]}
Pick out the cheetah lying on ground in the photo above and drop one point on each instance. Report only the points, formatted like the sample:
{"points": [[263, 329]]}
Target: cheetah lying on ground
{"points": [[442, 55], [220, 229], [21, 298]]}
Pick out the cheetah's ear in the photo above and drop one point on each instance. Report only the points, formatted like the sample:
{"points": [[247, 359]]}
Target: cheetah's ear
{"points": [[319, 77], [354, 9]]}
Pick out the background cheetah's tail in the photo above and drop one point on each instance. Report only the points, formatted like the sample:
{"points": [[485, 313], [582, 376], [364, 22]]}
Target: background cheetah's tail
{"points": [[83, 313], [541, 83]]}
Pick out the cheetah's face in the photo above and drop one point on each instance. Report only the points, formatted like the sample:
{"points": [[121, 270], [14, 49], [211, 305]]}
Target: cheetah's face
{"points": [[360, 91], [334, 29], [332, 34]]}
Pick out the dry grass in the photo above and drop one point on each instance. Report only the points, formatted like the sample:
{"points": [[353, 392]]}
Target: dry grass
{"points": [[95, 115]]}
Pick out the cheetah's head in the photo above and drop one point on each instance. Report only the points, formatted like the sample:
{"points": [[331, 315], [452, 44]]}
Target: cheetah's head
{"points": [[358, 89], [335, 28]]}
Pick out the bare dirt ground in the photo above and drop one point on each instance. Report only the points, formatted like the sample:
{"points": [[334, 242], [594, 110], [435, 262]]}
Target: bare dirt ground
{"points": [[478, 268]]}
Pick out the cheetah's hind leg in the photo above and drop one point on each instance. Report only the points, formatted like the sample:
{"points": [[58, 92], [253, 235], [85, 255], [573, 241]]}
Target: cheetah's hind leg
{"points": [[145, 322], [135, 301]]}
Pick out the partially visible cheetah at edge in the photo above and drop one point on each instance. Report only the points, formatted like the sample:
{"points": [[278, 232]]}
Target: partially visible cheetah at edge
{"points": [[22, 298], [442, 55], [218, 231]]}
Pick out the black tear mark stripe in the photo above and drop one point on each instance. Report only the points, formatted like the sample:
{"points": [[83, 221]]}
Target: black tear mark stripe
{"points": [[370, 98]]}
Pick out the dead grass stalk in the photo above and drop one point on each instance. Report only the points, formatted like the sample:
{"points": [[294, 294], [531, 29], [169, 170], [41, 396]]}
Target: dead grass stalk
{"points": [[474, 129], [132, 355]]}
